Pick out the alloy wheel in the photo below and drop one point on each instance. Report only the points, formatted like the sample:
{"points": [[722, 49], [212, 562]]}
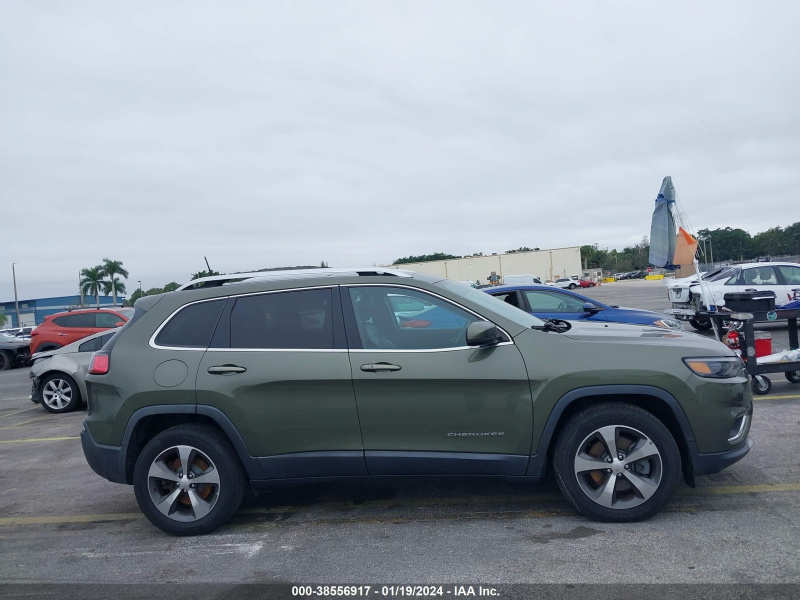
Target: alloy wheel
{"points": [[183, 483], [618, 467], [57, 393]]}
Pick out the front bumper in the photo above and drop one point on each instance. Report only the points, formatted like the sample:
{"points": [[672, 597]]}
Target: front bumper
{"points": [[106, 461], [714, 462]]}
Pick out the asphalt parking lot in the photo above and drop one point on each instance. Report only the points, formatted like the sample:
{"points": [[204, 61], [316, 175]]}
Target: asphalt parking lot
{"points": [[61, 523]]}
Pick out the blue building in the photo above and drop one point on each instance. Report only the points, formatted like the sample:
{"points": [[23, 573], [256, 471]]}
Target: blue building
{"points": [[33, 312]]}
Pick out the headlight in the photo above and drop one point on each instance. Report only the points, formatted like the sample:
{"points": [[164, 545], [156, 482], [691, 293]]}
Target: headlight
{"points": [[669, 324], [724, 367]]}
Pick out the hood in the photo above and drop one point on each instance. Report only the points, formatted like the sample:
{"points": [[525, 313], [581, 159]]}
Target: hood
{"points": [[587, 331]]}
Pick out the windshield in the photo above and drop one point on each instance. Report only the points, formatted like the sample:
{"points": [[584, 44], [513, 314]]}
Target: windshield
{"points": [[498, 306]]}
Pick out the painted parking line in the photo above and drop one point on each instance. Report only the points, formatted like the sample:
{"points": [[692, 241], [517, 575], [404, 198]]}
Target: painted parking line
{"points": [[19, 412], [780, 397], [51, 439], [279, 511]]}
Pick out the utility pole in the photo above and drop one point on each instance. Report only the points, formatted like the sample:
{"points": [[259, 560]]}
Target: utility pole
{"points": [[80, 287], [16, 300]]}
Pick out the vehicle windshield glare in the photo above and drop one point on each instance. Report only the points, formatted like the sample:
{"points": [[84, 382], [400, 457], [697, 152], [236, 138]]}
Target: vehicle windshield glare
{"points": [[498, 306]]}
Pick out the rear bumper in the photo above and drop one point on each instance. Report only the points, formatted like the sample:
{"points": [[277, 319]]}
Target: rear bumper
{"points": [[707, 464], [104, 460]]}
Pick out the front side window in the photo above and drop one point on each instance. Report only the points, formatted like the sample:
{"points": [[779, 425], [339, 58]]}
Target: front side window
{"points": [[760, 276], [391, 318], [549, 302], [192, 327], [107, 319], [290, 320]]}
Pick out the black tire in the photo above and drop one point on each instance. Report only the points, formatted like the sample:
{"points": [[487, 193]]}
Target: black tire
{"points": [[572, 286], [761, 385], [635, 430], [701, 324], [58, 393], [6, 360], [210, 455], [793, 376]]}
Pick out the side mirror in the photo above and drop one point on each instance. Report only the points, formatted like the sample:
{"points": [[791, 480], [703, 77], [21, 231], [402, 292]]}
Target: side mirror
{"points": [[119, 324], [482, 333], [590, 308]]}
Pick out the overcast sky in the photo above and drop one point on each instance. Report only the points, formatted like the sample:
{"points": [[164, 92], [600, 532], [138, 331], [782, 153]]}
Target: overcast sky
{"points": [[265, 134]]}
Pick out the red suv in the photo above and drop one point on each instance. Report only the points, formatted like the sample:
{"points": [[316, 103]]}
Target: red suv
{"points": [[64, 328]]}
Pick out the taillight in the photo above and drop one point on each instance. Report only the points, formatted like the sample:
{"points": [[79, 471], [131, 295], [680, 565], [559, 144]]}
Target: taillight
{"points": [[99, 364]]}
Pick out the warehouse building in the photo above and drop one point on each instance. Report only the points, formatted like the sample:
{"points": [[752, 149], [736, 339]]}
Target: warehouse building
{"points": [[547, 265], [33, 312]]}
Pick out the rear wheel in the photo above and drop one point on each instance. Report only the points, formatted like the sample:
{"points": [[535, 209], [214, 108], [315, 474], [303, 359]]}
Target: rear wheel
{"points": [[6, 360], [701, 324], [616, 462], [59, 393], [793, 376], [572, 286], [188, 480]]}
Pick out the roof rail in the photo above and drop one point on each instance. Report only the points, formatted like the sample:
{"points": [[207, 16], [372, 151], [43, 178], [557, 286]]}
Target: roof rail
{"points": [[219, 280]]}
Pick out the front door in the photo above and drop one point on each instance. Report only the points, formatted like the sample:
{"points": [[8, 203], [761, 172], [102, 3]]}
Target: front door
{"points": [[428, 403]]}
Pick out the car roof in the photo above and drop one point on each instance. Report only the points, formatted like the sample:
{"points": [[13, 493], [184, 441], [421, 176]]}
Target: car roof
{"points": [[545, 288]]}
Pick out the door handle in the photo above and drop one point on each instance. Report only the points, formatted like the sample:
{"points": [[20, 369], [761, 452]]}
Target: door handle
{"points": [[380, 368], [226, 370]]}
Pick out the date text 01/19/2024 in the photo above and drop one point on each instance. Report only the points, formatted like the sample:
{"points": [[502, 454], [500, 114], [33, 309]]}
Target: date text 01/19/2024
{"points": [[391, 591]]}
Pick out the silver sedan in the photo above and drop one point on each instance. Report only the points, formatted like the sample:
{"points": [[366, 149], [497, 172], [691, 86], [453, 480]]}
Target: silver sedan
{"points": [[58, 376]]}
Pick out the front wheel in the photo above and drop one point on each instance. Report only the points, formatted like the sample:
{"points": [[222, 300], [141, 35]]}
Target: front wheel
{"points": [[188, 480], [6, 360], [701, 324], [572, 286], [616, 462], [793, 376]]}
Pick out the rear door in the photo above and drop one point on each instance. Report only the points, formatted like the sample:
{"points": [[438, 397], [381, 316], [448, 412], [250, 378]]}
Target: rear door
{"points": [[77, 326], [278, 369], [428, 403]]}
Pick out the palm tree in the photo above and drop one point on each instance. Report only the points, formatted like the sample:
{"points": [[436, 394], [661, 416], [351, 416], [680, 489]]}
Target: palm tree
{"points": [[112, 268], [92, 282], [113, 286]]}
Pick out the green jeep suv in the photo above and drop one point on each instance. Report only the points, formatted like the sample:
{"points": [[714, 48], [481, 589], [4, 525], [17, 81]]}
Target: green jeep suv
{"points": [[257, 379]]}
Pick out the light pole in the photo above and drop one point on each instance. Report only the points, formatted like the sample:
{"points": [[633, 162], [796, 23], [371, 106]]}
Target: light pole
{"points": [[16, 300], [140, 287]]}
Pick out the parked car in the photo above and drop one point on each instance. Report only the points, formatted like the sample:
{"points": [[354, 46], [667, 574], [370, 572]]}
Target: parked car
{"points": [[586, 283], [14, 352], [564, 283], [64, 328], [688, 298], [546, 303], [57, 376], [520, 280], [23, 333], [215, 388]]}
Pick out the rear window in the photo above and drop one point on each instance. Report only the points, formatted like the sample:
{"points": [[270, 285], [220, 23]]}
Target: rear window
{"points": [[81, 320], [95, 344], [193, 326], [301, 320]]}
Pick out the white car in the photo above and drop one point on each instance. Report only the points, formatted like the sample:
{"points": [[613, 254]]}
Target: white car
{"points": [[565, 282], [688, 298]]}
